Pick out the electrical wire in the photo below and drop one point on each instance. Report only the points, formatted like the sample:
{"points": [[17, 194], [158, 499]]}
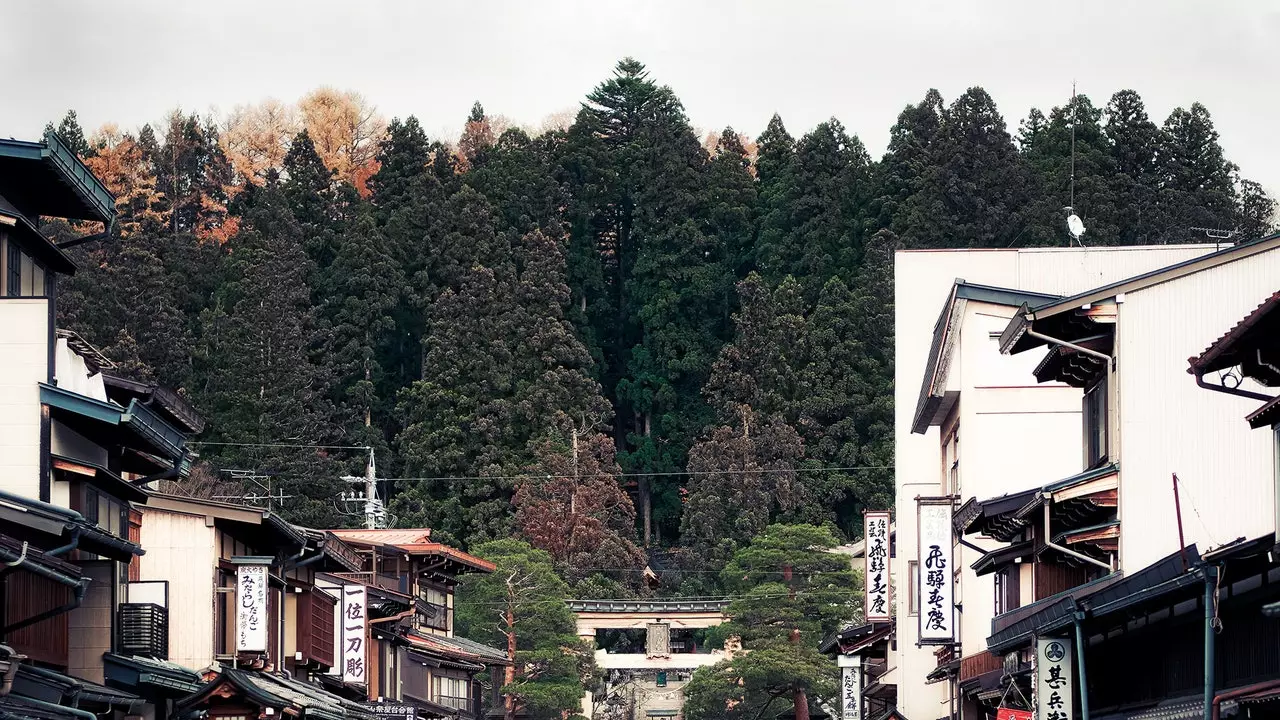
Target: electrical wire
{"points": [[673, 473], [282, 445], [729, 598]]}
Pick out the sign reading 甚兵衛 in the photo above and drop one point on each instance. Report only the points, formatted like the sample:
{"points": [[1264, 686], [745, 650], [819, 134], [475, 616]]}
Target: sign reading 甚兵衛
{"points": [[354, 628], [251, 608], [1053, 679], [936, 586], [876, 566]]}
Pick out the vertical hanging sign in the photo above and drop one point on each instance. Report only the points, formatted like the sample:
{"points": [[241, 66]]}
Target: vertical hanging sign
{"points": [[850, 686], [354, 629], [876, 568], [1053, 679], [937, 585], [251, 608]]}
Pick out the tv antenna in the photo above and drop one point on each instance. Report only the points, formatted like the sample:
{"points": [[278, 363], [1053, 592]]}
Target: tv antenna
{"points": [[262, 482], [1075, 225]]}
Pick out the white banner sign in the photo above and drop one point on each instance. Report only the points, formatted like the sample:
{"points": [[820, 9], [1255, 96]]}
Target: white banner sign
{"points": [[876, 568], [851, 692], [1053, 679], [251, 608], [937, 585], [354, 628]]}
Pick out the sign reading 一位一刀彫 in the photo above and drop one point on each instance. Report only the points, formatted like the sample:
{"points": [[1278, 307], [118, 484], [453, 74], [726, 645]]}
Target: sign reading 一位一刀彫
{"points": [[936, 586], [876, 566], [1053, 679], [354, 630]]}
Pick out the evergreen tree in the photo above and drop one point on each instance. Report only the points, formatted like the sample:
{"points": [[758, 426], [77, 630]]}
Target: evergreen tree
{"points": [[1133, 140], [731, 202], [403, 157], [900, 174], [1196, 189], [312, 194], [72, 135], [192, 175], [975, 188], [477, 138], [789, 591], [549, 666], [1053, 156], [260, 385], [518, 179]]}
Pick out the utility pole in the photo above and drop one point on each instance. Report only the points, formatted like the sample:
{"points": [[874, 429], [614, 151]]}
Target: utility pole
{"points": [[374, 516]]}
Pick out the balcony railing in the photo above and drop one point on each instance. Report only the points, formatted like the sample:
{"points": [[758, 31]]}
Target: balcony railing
{"points": [[451, 701]]}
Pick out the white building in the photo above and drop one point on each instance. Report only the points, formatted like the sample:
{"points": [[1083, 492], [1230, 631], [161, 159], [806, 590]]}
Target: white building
{"points": [[952, 383]]}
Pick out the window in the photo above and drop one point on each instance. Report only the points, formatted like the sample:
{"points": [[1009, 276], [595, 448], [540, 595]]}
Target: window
{"points": [[433, 608], [951, 462], [224, 619], [1008, 592], [1095, 424], [913, 581], [91, 505], [13, 270], [452, 692]]}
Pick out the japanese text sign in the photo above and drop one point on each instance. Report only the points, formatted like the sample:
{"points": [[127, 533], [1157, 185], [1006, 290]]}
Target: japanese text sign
{"points": [[1053, 679], [851, 692], [251, 608], [936, 587], [354, 630], [876, 569]]}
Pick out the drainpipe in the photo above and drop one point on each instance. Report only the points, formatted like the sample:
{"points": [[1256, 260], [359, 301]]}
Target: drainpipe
{"points": [[80, 591], [84, 714], [1068, 551], [6, 681], [1077, 619], [1229, 390], [75, 541], [1240, 692], [1210, 612], [1073, 346]]}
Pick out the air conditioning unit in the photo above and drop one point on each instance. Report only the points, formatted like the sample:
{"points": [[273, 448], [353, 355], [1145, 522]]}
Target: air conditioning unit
{"points": [[144, 630]]}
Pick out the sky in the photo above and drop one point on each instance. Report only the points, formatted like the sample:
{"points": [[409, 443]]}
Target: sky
{"points": [[730, 62]]}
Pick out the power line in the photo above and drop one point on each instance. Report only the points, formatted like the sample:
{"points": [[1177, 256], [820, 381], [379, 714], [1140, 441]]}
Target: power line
{"points": [[282, 445], [643, 474], [764, 596]]}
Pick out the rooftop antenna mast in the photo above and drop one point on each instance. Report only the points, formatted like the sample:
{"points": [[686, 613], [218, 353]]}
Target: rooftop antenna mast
{"points": [[1075, 225]]}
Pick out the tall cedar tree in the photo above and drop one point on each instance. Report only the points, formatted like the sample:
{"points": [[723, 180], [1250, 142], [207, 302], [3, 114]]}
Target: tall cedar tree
{"points": [[900, 173], [1196, 187], [262, 386], [975, 187], [666, 281], [520, 606], [789, 591], [571, 505]]}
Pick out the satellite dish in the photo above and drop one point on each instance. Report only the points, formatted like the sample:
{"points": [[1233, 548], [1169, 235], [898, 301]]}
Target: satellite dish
{"points": [[1075, 225]]}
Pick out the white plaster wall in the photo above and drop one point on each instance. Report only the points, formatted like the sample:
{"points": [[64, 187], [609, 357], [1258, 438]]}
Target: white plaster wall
{"points": [[180, 549], [24, 362], [992, 406], [1169, 425]]}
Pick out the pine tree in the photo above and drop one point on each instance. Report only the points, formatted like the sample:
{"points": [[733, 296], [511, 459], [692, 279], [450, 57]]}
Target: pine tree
{"points": [[71, 134], [790, 591], [731, 202], [477, 138], [311, 191]]}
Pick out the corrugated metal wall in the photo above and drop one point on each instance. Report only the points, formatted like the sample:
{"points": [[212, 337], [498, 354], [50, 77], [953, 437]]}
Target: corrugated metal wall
{"points": [[180, 549], [1068, 271], [1169, 425]]}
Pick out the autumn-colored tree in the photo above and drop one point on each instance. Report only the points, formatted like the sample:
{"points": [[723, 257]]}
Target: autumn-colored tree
{"points": [[257, 137], [346, 129], [477, 137], [118, 162], [572, 506]]}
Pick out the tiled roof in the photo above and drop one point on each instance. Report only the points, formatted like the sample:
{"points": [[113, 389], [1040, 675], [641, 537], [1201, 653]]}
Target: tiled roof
{"points": [[388, 536], [1212, 357], [459, 648]]}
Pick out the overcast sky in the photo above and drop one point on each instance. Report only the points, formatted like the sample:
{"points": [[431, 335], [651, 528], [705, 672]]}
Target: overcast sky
{"points": [[731, 62]]}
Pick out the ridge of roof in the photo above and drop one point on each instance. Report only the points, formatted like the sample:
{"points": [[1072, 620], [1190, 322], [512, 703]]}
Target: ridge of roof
{"points": [[1203, 361]]}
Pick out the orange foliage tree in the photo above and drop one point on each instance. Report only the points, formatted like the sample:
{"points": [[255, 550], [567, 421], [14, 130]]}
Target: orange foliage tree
{"points": [[346, 130]]}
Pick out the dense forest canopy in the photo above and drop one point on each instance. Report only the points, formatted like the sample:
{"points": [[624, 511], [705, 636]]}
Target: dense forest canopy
{"points": [[606, 337]]}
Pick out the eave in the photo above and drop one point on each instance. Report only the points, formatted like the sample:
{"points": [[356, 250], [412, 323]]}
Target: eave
{"points": [[135, 426], [1257, 334], [52, 181]]}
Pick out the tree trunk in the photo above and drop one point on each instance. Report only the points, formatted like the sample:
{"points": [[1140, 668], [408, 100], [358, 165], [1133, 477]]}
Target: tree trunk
{"points": [[509, 673], [802, 704]]}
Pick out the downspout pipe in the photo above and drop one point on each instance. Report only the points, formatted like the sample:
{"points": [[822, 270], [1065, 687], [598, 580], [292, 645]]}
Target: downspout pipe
{"points": [[1080, 556], [1077, 619], [1073, 346], [71, 545], [6, 681], [80, 591], [1210, 616], [84, 714]]}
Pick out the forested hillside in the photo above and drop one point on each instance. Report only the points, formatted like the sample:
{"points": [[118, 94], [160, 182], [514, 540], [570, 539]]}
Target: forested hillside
{"points": [[602, 336]]}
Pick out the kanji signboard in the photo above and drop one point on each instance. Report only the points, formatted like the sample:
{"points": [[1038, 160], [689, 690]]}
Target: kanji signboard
{"points": [[1053, 679], [936, 587], [251, 608], [876, 568], [354, 627], [851, 689]]}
